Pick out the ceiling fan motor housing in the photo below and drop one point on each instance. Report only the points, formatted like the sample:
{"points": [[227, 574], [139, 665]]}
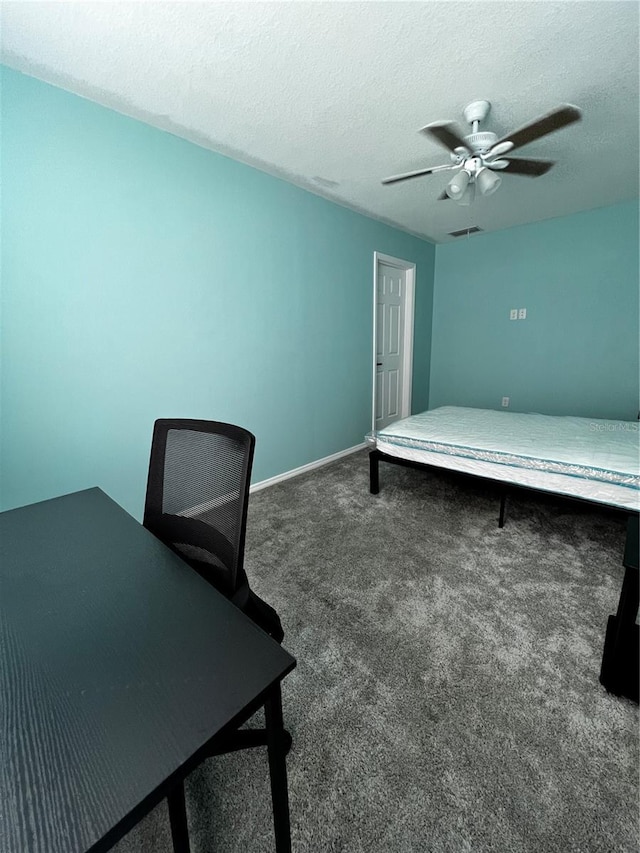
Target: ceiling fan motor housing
{"points": [[477, 143], [481, 141]]}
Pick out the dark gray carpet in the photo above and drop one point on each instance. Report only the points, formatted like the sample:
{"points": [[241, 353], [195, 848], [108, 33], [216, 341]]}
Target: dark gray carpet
{"points": [[446, 697]]}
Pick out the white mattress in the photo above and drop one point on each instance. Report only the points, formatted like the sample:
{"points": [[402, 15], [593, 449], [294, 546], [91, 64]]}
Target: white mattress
{"points": [[598, 460]]}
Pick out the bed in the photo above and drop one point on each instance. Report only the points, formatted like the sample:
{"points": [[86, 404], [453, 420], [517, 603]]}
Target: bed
{"points": [[586, 458]]}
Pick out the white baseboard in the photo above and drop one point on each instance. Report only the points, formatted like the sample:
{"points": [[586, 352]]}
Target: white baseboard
{"points": [[256, 487]]}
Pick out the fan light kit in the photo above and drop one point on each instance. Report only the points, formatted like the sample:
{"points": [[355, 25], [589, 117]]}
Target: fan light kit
{"points": [[477, 156]]}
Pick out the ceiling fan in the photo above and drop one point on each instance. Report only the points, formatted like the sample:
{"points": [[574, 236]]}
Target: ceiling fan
{"points": [[477, 156]]}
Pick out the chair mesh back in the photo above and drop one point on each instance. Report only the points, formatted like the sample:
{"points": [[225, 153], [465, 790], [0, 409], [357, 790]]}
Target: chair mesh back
{"points": [[197, 495]]}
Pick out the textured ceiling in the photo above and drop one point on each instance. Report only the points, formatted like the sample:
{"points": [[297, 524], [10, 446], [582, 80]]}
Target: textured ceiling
{"points": [[331, 95]]}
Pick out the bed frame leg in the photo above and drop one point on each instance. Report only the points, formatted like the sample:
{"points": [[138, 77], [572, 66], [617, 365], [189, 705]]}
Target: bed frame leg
{"points": [[374, 481], [503, 507]]}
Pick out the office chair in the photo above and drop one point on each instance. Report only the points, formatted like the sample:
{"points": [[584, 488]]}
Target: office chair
{"points": [[196, 503]]}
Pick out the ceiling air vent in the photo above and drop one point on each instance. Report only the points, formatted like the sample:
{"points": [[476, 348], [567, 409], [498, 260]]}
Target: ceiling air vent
{"points": [[464, 232]]}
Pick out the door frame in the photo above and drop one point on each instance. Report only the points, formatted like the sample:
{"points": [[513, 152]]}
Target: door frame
{"points": [[407, 342]]}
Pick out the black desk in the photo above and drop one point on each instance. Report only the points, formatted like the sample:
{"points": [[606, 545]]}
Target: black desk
{"points": [[119, 666], [620, 658]]}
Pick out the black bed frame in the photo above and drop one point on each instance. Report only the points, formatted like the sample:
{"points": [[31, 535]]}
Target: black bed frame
{"points": [[377, 456]]}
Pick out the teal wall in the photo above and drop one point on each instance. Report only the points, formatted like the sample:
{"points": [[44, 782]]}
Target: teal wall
{"points": [[577, 351], [145, 277]]}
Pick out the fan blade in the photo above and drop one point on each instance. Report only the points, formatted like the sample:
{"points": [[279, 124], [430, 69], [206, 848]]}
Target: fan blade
{"points": [[548, 123], [404, 177], [446, 133], [530, 168]]}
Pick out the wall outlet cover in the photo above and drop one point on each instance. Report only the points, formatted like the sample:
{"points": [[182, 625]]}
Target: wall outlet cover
{"points": [[513, 314], [505, 402]]}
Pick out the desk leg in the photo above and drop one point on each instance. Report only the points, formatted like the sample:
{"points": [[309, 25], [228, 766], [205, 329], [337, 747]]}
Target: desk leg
{"points": [[619, 670], [178, 820], [278, 770], [374, 482]]}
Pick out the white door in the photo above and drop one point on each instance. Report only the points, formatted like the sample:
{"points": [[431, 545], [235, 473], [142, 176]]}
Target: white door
{"points": [[391, 291]]}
